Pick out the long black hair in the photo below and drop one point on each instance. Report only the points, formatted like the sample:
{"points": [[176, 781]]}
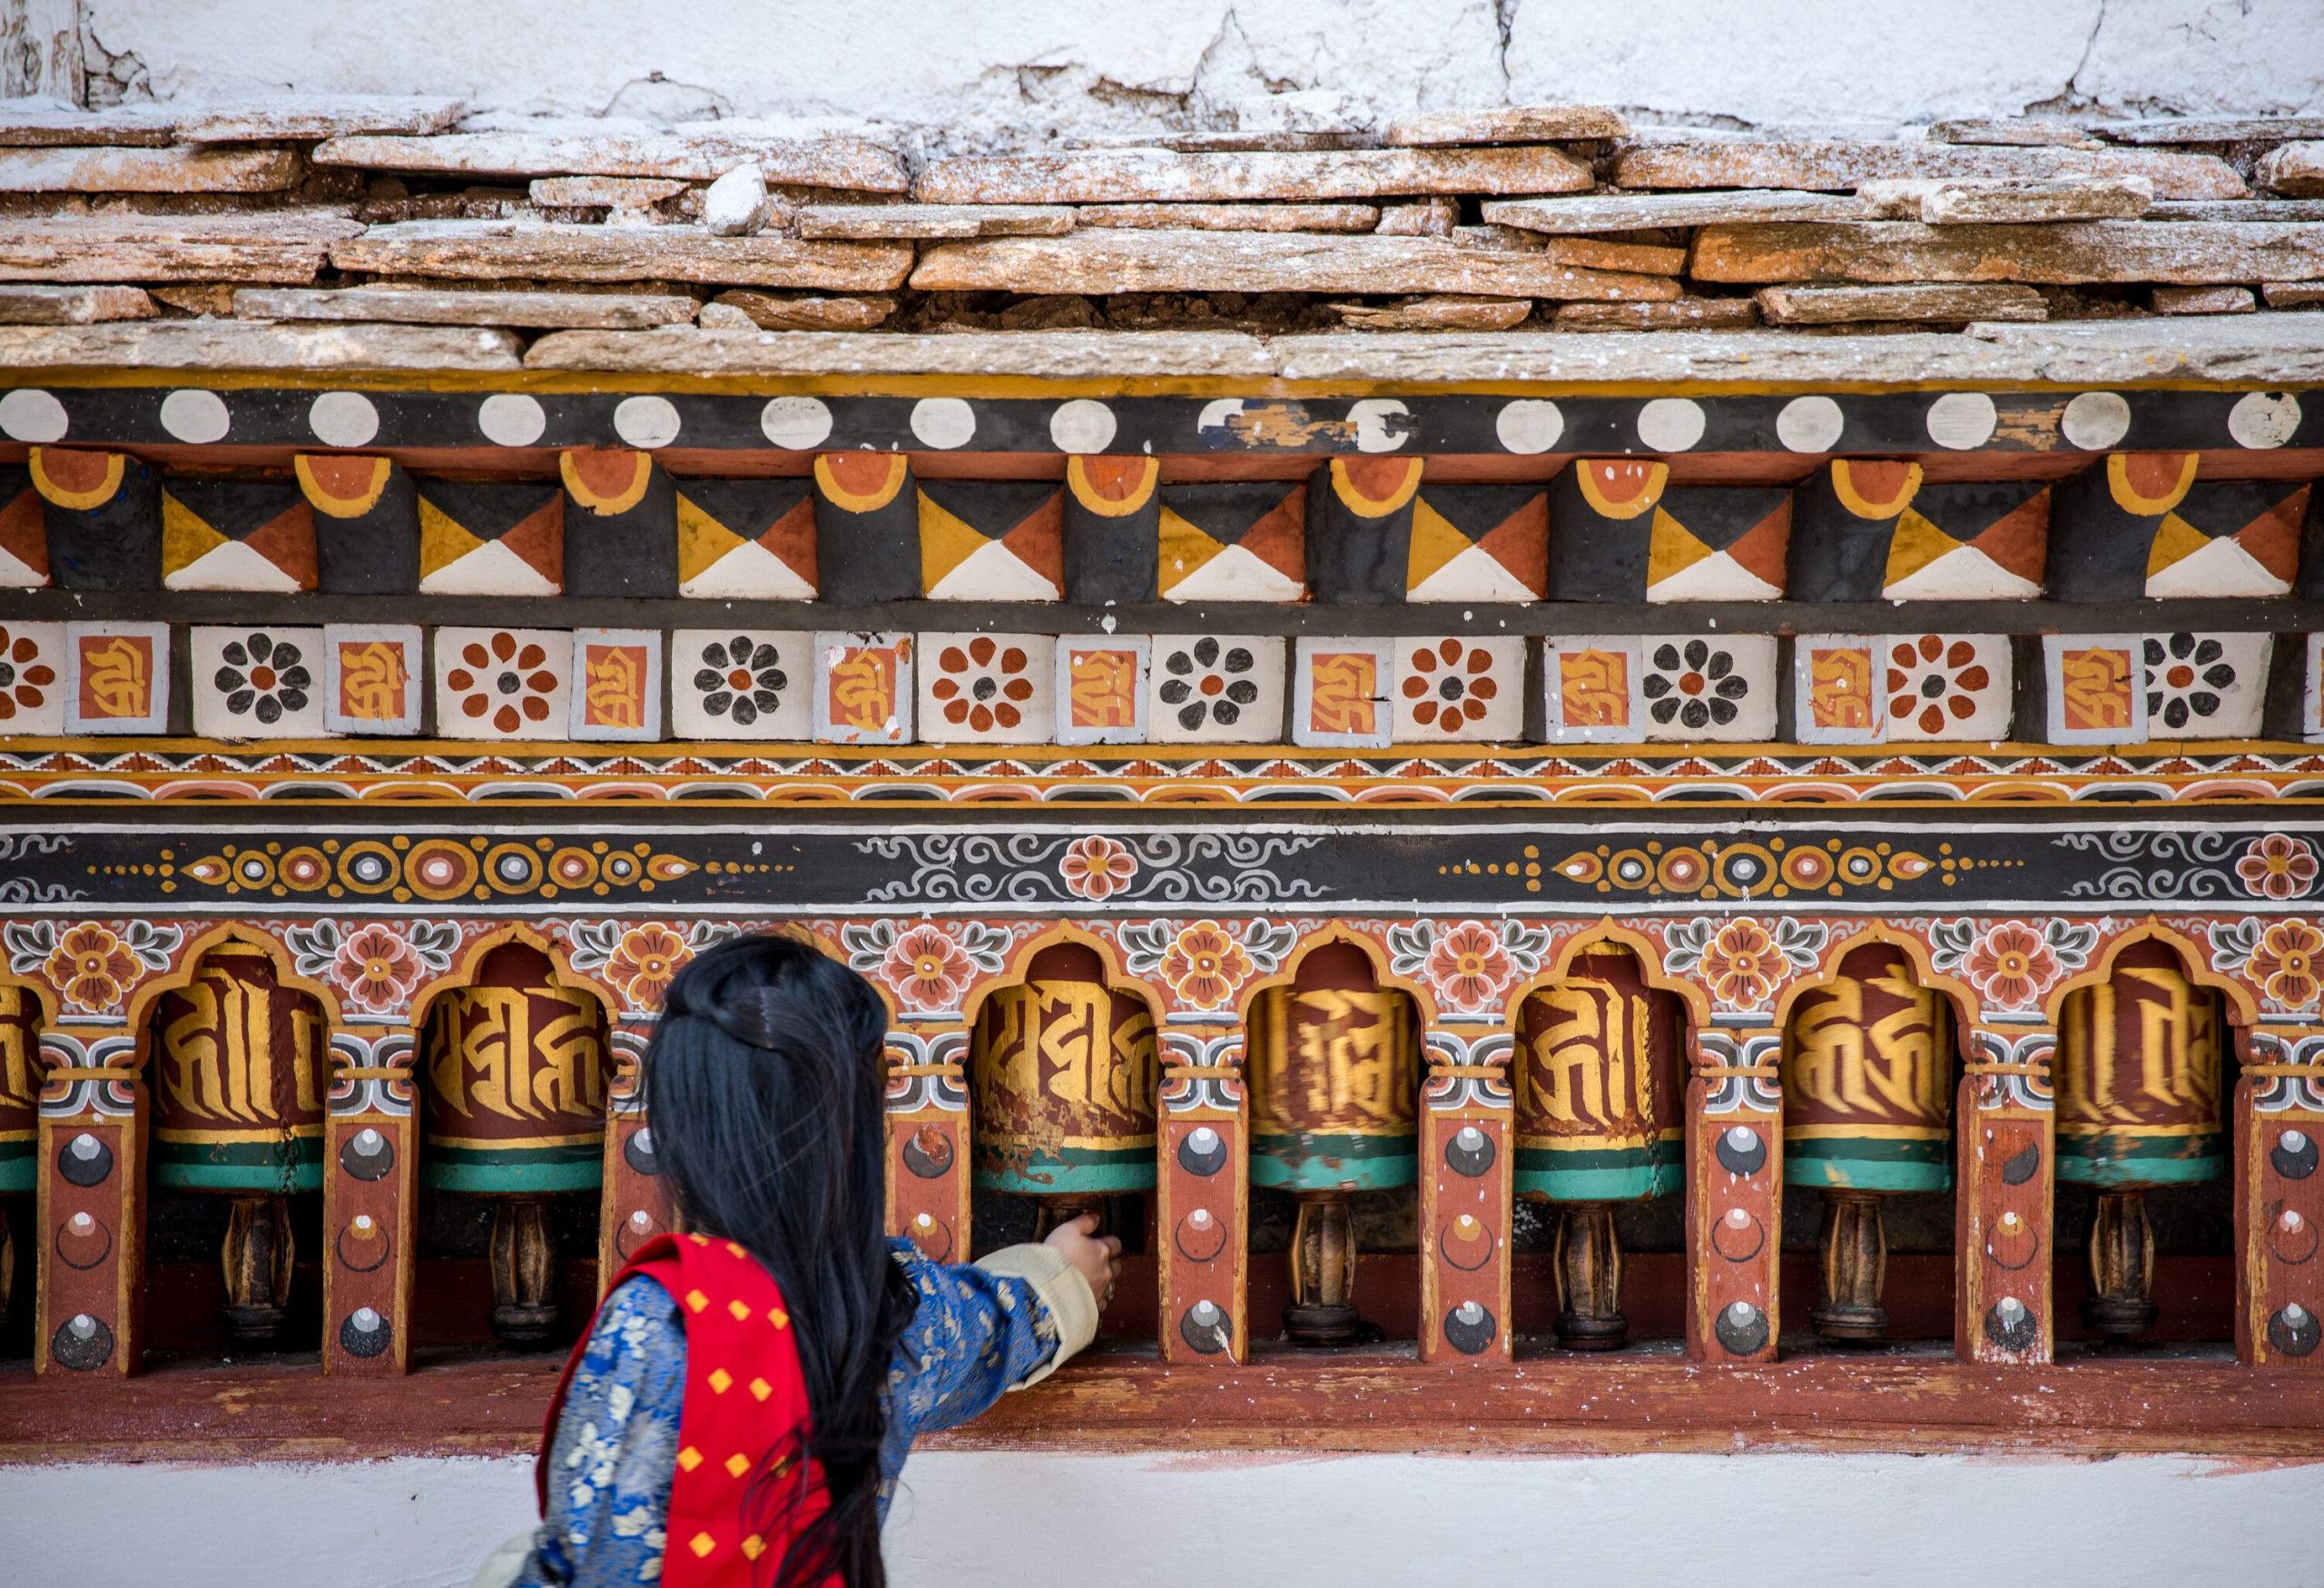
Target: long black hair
{"points": [[765, 1085]]}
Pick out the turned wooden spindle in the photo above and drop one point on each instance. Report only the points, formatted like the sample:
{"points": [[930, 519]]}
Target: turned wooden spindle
{"points": [[256, 1258], [2121, 1304], [523, 1272], [1854, 1250], [1321, 1309], [1588, 1268]]}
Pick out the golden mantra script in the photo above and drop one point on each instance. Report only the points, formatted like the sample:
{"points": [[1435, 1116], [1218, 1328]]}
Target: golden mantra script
{"points": [[1870, 1049], [491, 1054], [1588, 1069], [1055, 1048], [219, 1053], [1336, 1061], [2142, 1049]]}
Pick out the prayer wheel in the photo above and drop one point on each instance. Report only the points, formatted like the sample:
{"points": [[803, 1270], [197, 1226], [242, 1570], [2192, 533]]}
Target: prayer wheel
{"points": [[1333, 1072], [1601, 1084], [240, 1081], [1063, 1070], [1867, 1072], [20, 1073], [516, 1110], [2139, 1083]]}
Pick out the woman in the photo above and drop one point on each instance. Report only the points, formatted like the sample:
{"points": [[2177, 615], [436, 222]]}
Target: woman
{"points": [[738, 1410]]}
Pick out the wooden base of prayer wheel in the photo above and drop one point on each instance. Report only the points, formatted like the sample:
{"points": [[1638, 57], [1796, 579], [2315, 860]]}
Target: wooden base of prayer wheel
{"points": [[257, 1258], [1854, 1250], [1321, 1309], [2120, 1303], [1589, 1266], [524, 1273]]}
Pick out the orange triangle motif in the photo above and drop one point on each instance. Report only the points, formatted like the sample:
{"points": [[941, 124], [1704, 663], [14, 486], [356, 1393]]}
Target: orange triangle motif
{"points": [[24, 532], [1038, 539], [1521, 543], [2273, 538], [2019, 540], [539, 537], [1279, 539]]}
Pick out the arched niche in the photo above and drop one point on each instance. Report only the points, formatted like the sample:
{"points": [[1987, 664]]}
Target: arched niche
{"points": [[1871, 1054], [2143, 1076], [1332, 1064], [514, 1068], [1598, 1073], [237, 1063]]}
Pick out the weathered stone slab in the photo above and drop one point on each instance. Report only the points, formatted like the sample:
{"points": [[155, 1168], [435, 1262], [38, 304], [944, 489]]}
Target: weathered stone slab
{"points": [[2184, 253], [692, 153], [1683, 314], [2292, 294], [2209, 129], [24, 305], [28, 124], [2202, 301], [232, 344], [491, 250], [1420, 218], [1218, 261], [1442, 312], [603, 192], [1522, 124], [278, 245], [1649, 212], [1097, 177], [1841, 165], [2294, 170], [1055, 355], [1239, 140], [2236, 209], [2114, 198], [1930, 303], [2261, 350], [805, 312], [933, 222], [431, 306], [2021, 134], [1752, 358], [1639, 258], [295, 118], [1231, 217], [178, 169]]}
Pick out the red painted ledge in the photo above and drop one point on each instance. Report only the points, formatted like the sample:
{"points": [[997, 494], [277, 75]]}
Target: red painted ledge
{"points": [[1912, 1401]]}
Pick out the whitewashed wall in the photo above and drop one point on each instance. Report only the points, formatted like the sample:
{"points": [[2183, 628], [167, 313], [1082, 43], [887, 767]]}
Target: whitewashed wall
{"points": [[973, 71]]}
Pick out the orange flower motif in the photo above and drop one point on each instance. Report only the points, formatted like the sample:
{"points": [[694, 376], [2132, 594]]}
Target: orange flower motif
{"points": [[1097, 867], [509, 683], [1467, 965], [984, 686], [2010, 966], [1204, 965], [376, 969], [2285, 962], [1930, 684], [24, 677], [1742, 964], [91, 967], [1449, 683], [2278, 866], [643, 963], [927, 969]]}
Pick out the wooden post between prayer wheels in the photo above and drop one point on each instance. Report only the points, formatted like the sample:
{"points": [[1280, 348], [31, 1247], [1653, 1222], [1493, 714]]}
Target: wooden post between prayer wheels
{"points": [[371, 1201], [90, 1319], [1334, 1065], [635, 1207], [928, 1140], [2005, 1153], [1202, 1213], [1465, 1205], [1734, 1197], [2280, 1201], [1868, 1101]]}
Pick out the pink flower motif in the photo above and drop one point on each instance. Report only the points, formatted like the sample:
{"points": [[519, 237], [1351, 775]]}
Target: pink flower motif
{"points": [[2278, 866], [1467, 965], [928, 970], [2010, 966], [376, 971], [1097, 867]]}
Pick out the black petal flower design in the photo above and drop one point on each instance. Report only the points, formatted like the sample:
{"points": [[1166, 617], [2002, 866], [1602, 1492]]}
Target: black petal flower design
{"points": [[1694, 685], [262, 678], [739, 679], [2187, 677], [1208, 681]]}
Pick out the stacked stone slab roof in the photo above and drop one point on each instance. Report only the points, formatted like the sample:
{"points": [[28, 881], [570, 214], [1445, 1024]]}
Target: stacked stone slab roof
{"points": [[382, 232]]}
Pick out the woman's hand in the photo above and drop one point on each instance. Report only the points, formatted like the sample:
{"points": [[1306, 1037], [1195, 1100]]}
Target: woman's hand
{"points": [[1099, 1257]]}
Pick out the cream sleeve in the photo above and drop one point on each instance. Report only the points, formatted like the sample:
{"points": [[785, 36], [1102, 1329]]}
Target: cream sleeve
{"points": [[1062, 1289]]}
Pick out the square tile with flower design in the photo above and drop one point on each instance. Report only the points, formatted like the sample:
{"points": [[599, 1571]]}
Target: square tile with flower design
{"points": [[32, 678], [987, 689], [503, 682], [1216, 689], [1452, 688], [1711, 689], [2204, 685], [1938, 686], [257, 682], [741, 684]]}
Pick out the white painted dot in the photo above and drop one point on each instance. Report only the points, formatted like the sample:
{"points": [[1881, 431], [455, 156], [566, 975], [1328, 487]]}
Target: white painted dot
{"points": [[2263, 419], [2292, 1220], [510, 419], [1810, 424], [944, 422], [1742, 1312], [1470, 1139], [366, 1318], [2010, 1308], [1083, 425], [1742, 1137], [2095, 420], [646, 422], [34, 416], [643, 1140], [195, 417], [1469, 1312], [1961, 420], [343, 419], [83, 1326], [1531, 424], [2295, 1314], [2009, 1221], [795, 423], [641, 1219], [367, 1140], [1375, 430], [83, 1224], [1199, 1218], [1739, 1218], [1204, 1313], [1670, 424], [923, 1222], [363, 1223], [2293, 1142], [85, 1146], [1204, 1139]]}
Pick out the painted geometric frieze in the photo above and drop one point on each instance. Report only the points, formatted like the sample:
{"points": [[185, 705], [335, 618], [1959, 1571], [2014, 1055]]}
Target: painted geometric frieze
{"points": [[1869, 689], [366, 523], [1216, 689], [620, 524], [23, 531], [1620, 531], [32, 678], [503, 682], [867, 528], [101, 512], [747, 539], [741, 684], [1360, 513], [490, 539], [253, 683], [987, 689], [864, 688], [616, 692], [1112, 528], [1101, 689], [1342, 693], [1479, 543], [1870, 530], [2142, 525], [1245, 541], [116, 677], [237, 535], [992, 541], [371, 674]]}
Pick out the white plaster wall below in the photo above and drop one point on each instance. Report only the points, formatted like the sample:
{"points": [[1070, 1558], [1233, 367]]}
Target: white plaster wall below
{"points": [[970, 1520], [969, 72]]}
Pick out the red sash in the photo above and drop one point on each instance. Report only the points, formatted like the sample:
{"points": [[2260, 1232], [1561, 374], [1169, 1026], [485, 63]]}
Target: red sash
{"points": [[745, 1397]]}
